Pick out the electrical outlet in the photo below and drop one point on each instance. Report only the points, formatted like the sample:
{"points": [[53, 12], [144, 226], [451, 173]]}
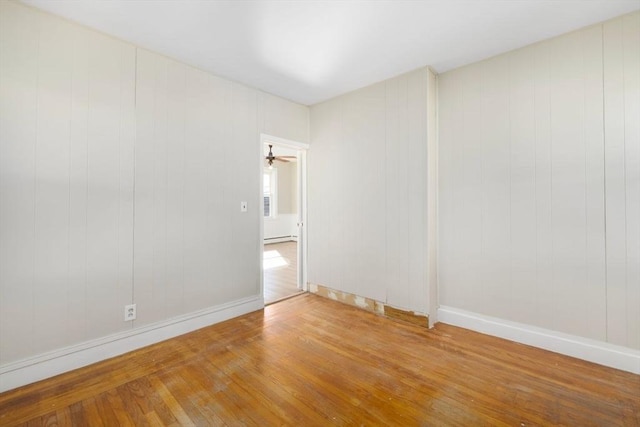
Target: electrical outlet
{"points": [[129, 312]]}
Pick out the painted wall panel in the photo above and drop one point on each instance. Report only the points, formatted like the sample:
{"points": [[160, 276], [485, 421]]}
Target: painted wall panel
{"points": [[496, 156], [417, 168], [51, 222], [196, 147], [396, 194], [555, 129], [245, 175], [615, 182], [363, 129], [432, 196], [175, 186], [121, 175], [544, 287], [467, 189], [325, 173], [448, 130], [368, 190], [351, 205], [202, 182], [197, 158], [110, 184], [283, 118], [631, 40], [18, 138], [78, 188], [468, 185], [68, 134], [621, 107], [522, 183], [577, 284], [594, 145]]}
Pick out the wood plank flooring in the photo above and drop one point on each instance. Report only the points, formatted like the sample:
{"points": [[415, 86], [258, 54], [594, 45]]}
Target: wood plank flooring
{"points": [[311, 361], [280, 271]]}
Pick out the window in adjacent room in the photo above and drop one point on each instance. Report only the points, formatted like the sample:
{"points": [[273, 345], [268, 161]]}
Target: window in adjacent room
{"points": [[270, 190]]}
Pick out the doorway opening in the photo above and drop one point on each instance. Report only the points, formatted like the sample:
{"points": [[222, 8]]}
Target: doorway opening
{"points": [[283, 206]]}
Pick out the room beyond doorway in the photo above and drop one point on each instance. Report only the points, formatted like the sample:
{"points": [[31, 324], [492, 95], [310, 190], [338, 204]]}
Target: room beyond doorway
{"points": [[284, 214], [280, 264]]}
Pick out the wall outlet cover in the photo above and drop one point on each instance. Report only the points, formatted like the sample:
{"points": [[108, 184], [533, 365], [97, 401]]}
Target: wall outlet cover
{"points": [[129, 312]]}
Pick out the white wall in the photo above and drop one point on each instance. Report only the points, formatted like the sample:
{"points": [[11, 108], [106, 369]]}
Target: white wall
{"points": [[67, 135], [287, 187], [621, 38], [367, 219], [121, 176], [540, 184], [284, 225], [196, 160]]}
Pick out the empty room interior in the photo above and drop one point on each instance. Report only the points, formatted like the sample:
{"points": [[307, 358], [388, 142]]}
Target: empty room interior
{"points": [[320, 212]]}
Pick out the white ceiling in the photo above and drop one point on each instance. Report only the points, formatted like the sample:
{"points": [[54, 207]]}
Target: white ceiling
{"points": [[310, 51]]}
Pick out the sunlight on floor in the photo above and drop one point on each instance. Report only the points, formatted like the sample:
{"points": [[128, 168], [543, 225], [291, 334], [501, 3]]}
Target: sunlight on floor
{"points": [[273, 259]]}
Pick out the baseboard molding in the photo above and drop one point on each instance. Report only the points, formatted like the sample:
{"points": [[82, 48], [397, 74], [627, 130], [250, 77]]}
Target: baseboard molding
{"points": [[46, 365], [280, 239], [369, 304], [606, 354]]}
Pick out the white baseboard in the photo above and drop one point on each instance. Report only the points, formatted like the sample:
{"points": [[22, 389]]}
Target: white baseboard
{"points": [[16, 374], [606, 354], [280, 239]]}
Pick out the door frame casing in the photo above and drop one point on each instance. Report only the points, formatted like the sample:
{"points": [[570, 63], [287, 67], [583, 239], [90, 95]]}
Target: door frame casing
{"points": [[302, 148]]}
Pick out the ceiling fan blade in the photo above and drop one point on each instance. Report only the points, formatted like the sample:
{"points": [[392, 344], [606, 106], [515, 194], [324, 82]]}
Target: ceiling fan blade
{"points": [[288, 157], [282, 160]]}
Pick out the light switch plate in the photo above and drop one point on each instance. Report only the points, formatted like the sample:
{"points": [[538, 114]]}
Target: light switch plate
{"points": [[243, 206]]}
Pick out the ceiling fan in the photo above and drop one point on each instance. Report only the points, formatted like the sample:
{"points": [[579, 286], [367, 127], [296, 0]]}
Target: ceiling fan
{"points": [[270, 157]]}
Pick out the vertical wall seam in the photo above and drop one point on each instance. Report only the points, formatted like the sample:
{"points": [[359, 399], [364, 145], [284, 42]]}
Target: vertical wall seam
{"points": [[1, 186], [551, 213], [135, 160], [167, 143], [509, 139], [69, 169], [435, 303], [154, 198], [386, 178], [408, 224], [483, 281], [624, 176], [535, 179], [184, 179], [35, 184], [425, 191], [119, 278], [86, 195], [585, 164], [604, 163], [232, 125]]}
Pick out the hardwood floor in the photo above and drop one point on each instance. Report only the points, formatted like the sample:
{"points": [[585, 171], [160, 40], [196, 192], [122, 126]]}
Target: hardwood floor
{"points": [[280, 271], [312, 361]]}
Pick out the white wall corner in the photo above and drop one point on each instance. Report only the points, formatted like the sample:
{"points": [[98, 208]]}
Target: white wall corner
{"points": [[599, 352], [432, 196], [27, 371]]}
